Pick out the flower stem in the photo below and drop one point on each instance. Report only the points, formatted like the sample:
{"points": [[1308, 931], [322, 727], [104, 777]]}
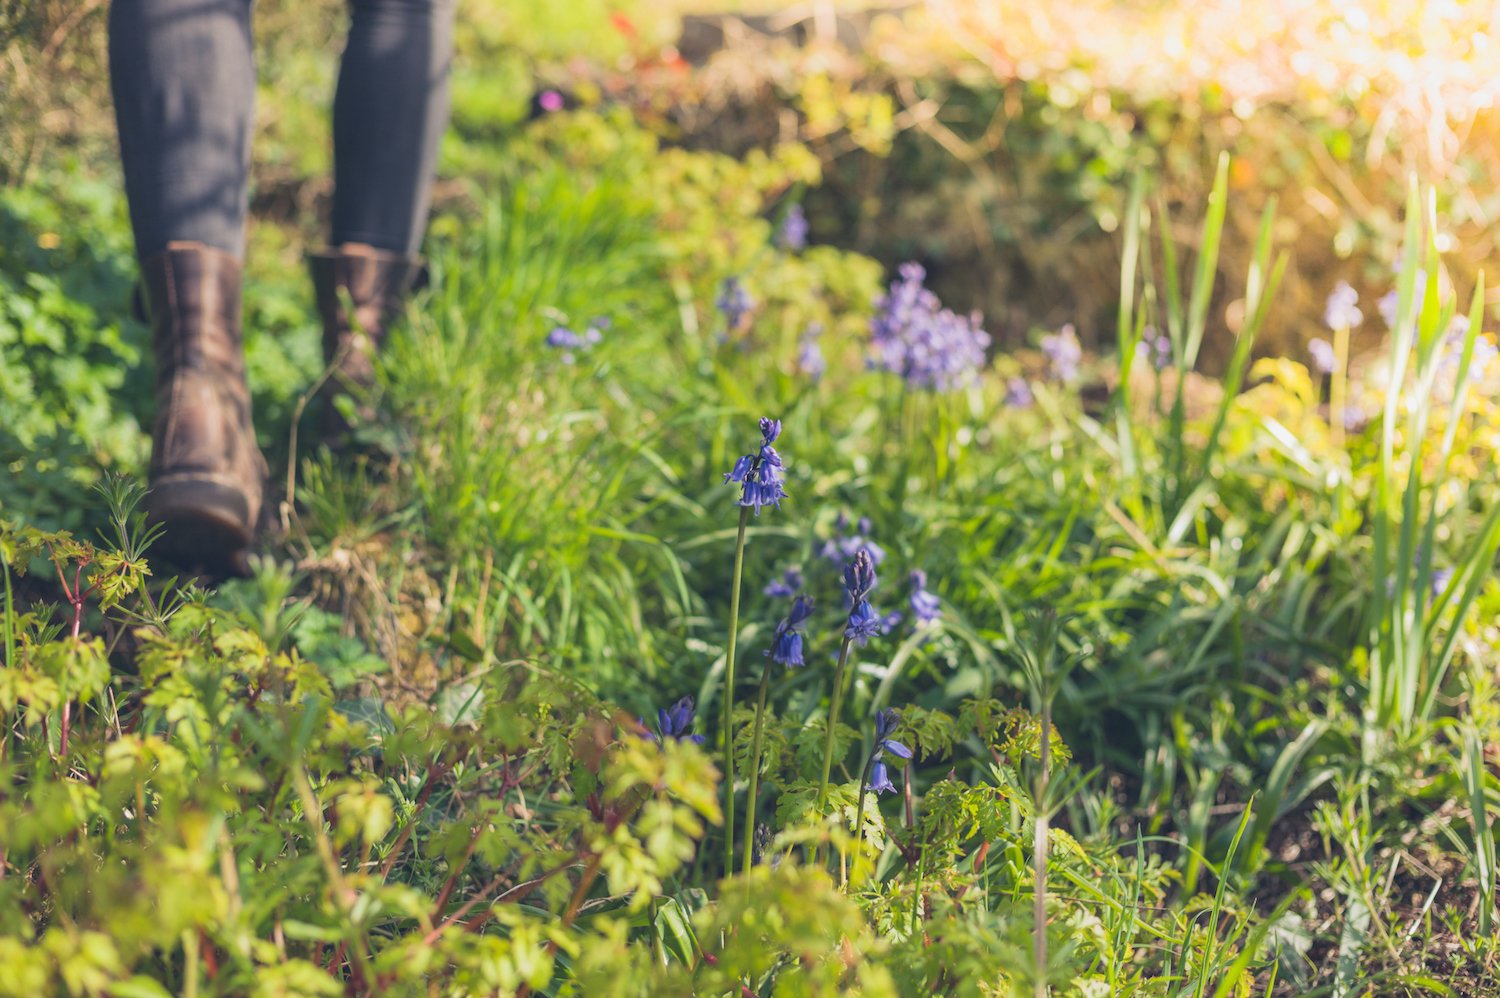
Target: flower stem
{"points": [[834, 708], [1338, 386], [859, 810], [1039, 857], [728, 732], [750, 800]]}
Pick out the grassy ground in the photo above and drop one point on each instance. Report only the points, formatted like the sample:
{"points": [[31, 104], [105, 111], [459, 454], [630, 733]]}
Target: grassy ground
{"points": [[1208, 697]]}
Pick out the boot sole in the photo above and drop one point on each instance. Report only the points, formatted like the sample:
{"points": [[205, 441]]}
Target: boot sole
{"points": [[205, 525]]}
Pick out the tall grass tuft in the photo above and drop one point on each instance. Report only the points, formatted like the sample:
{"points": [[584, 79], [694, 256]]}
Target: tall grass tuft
{"points": [[1417, 493]]}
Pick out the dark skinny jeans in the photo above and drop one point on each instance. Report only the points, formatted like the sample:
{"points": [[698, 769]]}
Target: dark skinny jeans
{"points": [[183, 76]]}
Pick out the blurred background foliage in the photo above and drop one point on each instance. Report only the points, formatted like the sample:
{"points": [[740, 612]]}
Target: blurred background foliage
{"points": [[993, 141]]}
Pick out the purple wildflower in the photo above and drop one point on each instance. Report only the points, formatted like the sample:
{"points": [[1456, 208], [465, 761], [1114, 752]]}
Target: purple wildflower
{"points": [[1440, 579], [1453, 350], [1018, 394], [1387, 306], [787, 585], [550, 101], [786, 645], [792, 235], [924, 605], [567, 341], [864, 623], [1391, 300], [885, 723], [844, 545], [760, 475], [1064, 353], [1342, 310], [859, 581], [810, 353], [734, 301], [1155, 347], [859, 576], [1324, 360], [675, 722], [929, 346]]}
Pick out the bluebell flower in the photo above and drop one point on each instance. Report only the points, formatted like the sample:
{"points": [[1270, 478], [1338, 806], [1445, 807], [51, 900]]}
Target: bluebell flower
{"points": [[786, 645], [891, 621], [844, 545], [1453, 350], [1387, 307], [885, 723], [792, 235], [1324, 360], [924, 605], [929, 346], [810, 354], [675, 722], [859, 576], [1440, 579], [734, 302], [1342, 310], [859, 580], [1391, 299], [1156, 348], [759, 475], [1064, 353], [566, 340], [1018, 394], [742, 468], [787, 586], [864, 623]]}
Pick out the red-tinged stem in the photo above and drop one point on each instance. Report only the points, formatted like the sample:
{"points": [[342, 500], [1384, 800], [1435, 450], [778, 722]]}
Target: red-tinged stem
{"points": [[452, 882], [433, 770], [514, 894]]}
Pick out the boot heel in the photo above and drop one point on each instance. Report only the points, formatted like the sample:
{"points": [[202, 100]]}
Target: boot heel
{"points": [[203, 523]]}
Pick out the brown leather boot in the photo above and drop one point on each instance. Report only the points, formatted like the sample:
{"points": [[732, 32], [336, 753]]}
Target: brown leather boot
{"points": [[207, 474], [376, 282]]}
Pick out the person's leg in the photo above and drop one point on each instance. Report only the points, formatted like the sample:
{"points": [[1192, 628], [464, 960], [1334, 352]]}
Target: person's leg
{"points": [[184, 84], [389, 115], [183, 78]]}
